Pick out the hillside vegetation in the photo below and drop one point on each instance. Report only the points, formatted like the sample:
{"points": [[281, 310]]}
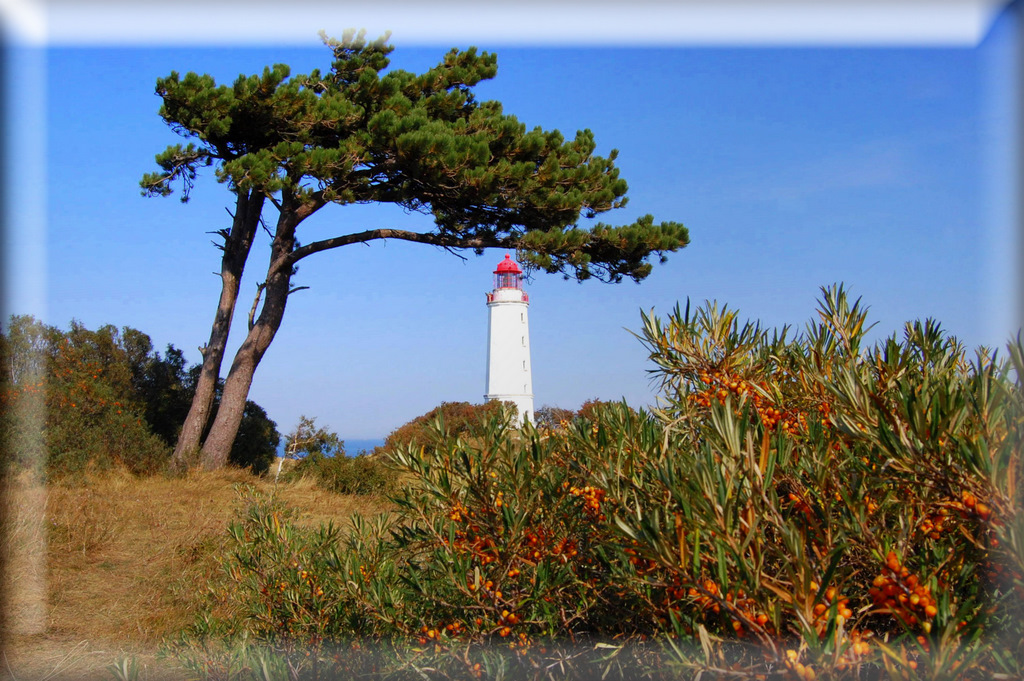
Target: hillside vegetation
{"points": [[801, 506], [126, 563]]}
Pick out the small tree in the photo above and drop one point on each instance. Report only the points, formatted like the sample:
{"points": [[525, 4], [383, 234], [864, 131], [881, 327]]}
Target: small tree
{"points": [[357, 135], [311, 443]]}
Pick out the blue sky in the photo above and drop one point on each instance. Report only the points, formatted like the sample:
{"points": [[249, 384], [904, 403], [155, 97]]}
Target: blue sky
{"points": [[795, 165]]}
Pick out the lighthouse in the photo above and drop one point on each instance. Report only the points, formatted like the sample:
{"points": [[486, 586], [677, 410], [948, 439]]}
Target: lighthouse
{"points": [[508, 340]]}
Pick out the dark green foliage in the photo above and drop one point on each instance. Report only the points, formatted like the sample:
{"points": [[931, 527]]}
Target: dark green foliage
{"points": [[163, 385], [95, 419], [255, 445], [357, 134], [77, 386]]}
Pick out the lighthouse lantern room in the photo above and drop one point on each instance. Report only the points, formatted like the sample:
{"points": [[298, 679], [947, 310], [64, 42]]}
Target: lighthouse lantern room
{"points": [[508, 340]]}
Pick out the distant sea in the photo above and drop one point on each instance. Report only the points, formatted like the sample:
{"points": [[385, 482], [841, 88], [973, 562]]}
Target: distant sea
{"points": [[352, 447]]}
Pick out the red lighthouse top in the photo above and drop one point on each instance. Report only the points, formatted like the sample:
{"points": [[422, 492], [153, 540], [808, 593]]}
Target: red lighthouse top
{"points": [[508, 275], [508, 265]]}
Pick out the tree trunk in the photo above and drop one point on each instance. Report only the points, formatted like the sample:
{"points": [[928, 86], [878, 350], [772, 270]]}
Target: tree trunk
{"points": [[218, 443], [237, 244]]}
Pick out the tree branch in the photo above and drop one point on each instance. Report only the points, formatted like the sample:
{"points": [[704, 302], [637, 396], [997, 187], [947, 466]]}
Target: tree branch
{"points": [[255, 304], [447, 241]]}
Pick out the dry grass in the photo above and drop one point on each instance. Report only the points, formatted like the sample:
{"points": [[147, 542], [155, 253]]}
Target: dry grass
{"points": [[23, 553], [125, 563]]}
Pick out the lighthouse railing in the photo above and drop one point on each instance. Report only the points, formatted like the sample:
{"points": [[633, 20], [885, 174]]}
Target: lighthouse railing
{"points": [[525, 299]]}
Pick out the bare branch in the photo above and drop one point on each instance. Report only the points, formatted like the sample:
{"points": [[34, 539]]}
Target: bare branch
{"points": [[457, 255], [224, 234], [263, 224], [255, 304]]}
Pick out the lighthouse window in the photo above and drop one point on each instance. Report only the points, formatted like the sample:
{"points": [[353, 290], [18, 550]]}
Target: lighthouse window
{"points": [[524, 341], [522, 317], [524, 365]]}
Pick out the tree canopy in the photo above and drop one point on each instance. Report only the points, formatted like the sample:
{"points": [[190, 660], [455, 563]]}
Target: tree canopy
{"points": [[106, 398], [359, 133]]}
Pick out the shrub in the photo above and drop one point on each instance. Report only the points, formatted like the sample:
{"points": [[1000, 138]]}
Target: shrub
{"points": [[550, 417], [446, 419], [802, 507], [321, 455], [78, 385], [363, 474], [104, 398], [857, 507], [271, 590]]}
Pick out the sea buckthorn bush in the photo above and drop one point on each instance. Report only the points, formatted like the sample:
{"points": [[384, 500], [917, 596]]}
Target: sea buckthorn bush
{"points": [[800, 506], [820, 498]]}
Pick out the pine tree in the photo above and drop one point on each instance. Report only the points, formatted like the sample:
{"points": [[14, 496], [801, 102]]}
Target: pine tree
{"points": [[358, 134]]}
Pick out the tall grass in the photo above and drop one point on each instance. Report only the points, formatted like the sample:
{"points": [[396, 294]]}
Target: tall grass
{"points": [[125, 560]]}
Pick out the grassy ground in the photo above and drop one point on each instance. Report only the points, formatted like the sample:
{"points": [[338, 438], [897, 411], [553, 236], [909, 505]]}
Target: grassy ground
{"points": [[114, 564]]}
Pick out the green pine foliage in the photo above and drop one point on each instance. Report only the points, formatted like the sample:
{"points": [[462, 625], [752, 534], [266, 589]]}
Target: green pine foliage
{"points": [[362, 133]]}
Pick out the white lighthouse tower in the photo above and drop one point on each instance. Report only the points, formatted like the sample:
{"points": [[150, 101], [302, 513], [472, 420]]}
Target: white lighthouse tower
{"points": [[508, 340]]}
